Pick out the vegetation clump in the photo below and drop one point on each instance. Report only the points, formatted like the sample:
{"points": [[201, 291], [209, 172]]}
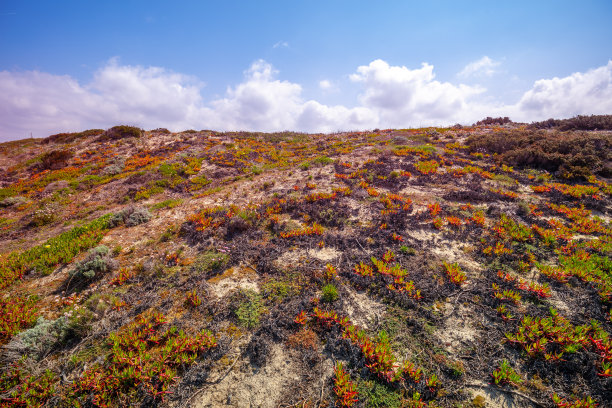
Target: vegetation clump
{"points": [[55, 159], [97, 263], [120, 132], [71, 137], [130, 216]]}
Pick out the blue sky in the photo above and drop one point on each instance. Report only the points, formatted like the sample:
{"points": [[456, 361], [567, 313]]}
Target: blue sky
{"points": [[299, 65]]}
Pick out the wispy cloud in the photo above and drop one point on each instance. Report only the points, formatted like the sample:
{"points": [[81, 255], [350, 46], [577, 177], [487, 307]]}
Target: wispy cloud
{"points": [[325, 85], [482, 67], [281, 44]]}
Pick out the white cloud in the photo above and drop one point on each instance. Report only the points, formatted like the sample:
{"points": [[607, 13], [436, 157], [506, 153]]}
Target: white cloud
{"points": [[325, 84], [281, 44], [403, 96], [43, 104], [391, 96], [482, 67], [580, 93], [317, 117], [259, 103]]}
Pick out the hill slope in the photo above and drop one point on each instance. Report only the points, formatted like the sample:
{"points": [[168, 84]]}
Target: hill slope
{"points": [[417, 267]]}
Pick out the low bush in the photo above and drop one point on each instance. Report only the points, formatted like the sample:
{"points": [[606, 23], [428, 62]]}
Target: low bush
{"points": [[55, 159], [250, 309], [115, 168], [71, 137], [493, 121], [569, 154], [330, 293], [130, 216], [120, 132], [209, 261], [38, 340], [97, 263], [12, 201], [580, 122], [45, 215]]}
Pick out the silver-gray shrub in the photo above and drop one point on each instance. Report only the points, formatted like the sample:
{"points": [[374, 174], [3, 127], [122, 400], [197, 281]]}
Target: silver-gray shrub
{"points": [[38, 340], [130, 216], [97, 263]]}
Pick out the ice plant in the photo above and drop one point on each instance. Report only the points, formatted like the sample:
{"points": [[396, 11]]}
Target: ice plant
{"points": [[193, 299], [454, 272], [315, 229], [505, 374], [427, 167], [142, 357], [330, 273], [586, 402], [16, 314], [301, 318], [344, 388], [434, 209], [504, 313]]}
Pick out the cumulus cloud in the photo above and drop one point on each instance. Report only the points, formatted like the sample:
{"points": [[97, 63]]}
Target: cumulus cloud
{"points": [[260, 102], [482, 67], [391, 96], [42, 103], [403, 96], [580, 93]]}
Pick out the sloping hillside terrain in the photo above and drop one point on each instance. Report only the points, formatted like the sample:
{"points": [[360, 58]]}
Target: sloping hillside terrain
{"points": [[450, 267]]}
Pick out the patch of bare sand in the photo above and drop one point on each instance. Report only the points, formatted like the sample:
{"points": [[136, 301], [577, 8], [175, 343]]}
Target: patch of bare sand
{"points": [[362, 310], [324, 254], [455, 251], [246, 387], [487, 396], [459, 329], [238, 277], [290, 258]]}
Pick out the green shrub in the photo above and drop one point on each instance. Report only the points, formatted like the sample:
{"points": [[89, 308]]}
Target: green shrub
{"points": [[209, 261], [377, 395], [7, 192], [493, 121], [330, 293], [44, 215], [115, 167], [250, 309], [278, 290], [166, 204], [322, 161], [407, 250], [580, 122]]}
